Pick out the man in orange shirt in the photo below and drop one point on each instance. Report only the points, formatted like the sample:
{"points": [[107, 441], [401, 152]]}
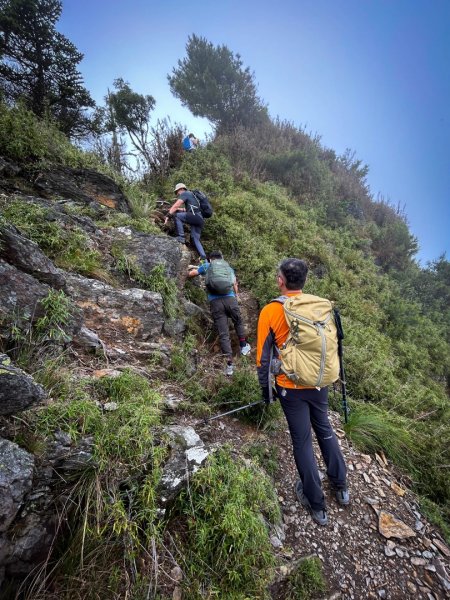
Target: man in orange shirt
{"points": [[303, 406]]}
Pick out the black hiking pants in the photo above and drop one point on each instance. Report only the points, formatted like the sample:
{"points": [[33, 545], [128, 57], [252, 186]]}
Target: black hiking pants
{"points": [[221, 309], [303, 409]]}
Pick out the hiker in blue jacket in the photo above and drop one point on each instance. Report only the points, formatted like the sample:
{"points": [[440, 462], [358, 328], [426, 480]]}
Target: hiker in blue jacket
{"points": [[222, 290], [186, 209], [190, 143]]}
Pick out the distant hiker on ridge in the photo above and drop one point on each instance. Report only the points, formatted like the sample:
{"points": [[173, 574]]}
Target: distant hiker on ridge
{"points": [[311, 325], [190, 143], [186, 209], [222, 295]]}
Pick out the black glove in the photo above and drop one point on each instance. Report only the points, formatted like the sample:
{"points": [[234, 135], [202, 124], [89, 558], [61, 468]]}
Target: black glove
{"points": [[265, 392]]}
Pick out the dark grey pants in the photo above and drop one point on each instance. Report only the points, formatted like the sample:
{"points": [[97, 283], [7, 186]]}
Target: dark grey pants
{"points": [[221, 309], [303, 409]]}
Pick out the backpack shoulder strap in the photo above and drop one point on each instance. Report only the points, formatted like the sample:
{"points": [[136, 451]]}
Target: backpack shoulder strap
{"points": [[280, 299]]}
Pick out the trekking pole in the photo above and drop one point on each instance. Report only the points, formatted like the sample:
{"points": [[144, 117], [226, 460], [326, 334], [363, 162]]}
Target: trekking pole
{"points": [[340, 336], [240, 408], [234, 410]]}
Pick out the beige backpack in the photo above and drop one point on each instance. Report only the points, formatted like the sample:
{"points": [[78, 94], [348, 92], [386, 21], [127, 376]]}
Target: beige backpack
{"points": [[309, 357]]}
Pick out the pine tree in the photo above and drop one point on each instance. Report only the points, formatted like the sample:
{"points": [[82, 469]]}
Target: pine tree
{"points": [[212, 83], [39, 64]]}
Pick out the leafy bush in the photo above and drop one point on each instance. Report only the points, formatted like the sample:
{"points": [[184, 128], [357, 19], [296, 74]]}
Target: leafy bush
{"points": [[244, 389], [68, 246], [206, 169], [27, 139], [155, 281], [112, 508], [221, 517], [306, 581]]}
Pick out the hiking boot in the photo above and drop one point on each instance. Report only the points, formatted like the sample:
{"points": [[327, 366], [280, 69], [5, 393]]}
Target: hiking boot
{"points": [[342, 497], [246, 349], [229, 370], [319, 516], [180, 240]]}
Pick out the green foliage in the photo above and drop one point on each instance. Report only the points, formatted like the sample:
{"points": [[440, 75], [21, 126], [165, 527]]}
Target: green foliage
{"points": [[265, 456], [31, 341], [221, 512], [212, 83], [26, 138], [395, 356], [306, 581], [373, 429], [112, 508], [39, 64], [205, 169], [181, 359], [303, 172], [242, 389], [155, 281], [436, 515], [67, 246], [58, 313], [131, 110]]}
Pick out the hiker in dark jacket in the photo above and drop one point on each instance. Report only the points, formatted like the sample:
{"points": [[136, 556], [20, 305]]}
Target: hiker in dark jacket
{"points": [[303, 406], [186, 209], [222, 296]]}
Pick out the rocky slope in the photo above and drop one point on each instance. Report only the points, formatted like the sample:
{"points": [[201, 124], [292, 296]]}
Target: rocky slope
{"points": [[379, 547]]}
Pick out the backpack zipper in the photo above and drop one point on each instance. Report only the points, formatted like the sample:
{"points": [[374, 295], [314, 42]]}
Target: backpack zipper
{"points": [[319, 326]]}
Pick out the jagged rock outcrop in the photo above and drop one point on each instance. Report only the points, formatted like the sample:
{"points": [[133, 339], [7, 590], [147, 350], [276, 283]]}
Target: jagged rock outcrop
{"points": [[20, 294], [25, 255], [16, 477], [147, 251], [8, 168], [118, 317], [18, 391], [27, 524], [84, 185], [188, 453]]}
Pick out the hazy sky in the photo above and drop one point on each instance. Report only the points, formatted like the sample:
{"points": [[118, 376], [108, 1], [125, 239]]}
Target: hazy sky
{"points": [[370, 75]]}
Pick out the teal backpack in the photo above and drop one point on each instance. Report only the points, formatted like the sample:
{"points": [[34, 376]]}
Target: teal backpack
{"points": [[219, 277]]}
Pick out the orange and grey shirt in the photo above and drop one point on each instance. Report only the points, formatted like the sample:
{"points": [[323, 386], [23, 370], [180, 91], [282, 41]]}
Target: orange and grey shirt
{"points": [[273, 331]]}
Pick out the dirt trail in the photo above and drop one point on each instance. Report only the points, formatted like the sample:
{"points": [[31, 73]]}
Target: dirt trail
{"points": [[358, 561]]}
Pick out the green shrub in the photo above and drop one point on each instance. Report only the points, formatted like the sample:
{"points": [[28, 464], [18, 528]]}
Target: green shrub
{"points": [[181, 359], [306, 581], [242, 389], [266, 456], [67, 246], [112, 507], [373, 429], [155, 281], [27, 139], [206, 169], [221, 513]]}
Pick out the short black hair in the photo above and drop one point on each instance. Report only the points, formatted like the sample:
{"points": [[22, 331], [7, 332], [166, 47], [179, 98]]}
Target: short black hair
{"points": [[294, 271], [215, 254]]}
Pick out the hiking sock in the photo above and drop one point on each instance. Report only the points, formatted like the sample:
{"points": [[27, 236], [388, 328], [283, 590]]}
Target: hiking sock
{"points": [[242, 342]]}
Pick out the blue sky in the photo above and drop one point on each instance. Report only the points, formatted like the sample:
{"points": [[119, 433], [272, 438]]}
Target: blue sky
{"points": [[369, 75]]}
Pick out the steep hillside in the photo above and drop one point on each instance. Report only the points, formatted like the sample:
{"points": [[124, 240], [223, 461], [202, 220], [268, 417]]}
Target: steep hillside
{"points": [[114, 484]]}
